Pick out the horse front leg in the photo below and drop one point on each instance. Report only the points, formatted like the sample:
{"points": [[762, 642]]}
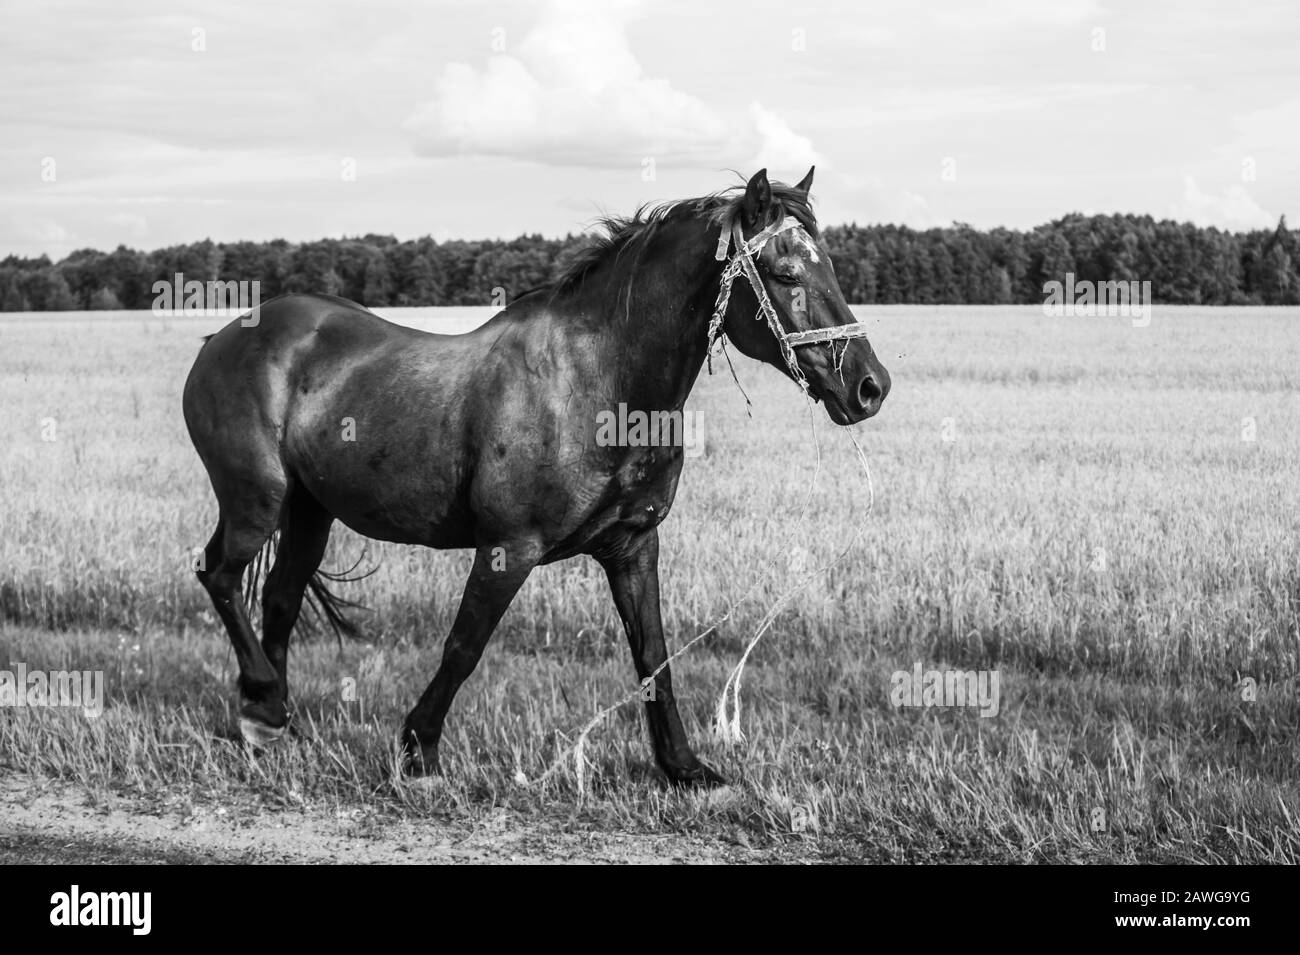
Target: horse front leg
{"points": [[633, 572], [499, 571]]}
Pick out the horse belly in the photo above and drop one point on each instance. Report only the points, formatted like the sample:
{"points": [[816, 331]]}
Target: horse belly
{"points": [[438, 524], [385, 480]]}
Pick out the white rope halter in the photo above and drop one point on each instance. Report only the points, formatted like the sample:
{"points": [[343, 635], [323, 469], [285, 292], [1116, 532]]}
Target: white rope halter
{"points": [[742, 263]]}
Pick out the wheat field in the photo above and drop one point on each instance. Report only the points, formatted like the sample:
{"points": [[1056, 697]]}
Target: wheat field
{"points": [[1105, 515]]}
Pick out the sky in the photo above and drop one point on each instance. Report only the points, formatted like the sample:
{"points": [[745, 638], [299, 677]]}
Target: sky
{"points": [[155, 123]]}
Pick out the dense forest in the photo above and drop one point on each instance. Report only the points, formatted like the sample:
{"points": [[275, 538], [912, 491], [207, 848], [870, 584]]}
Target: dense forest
{"points": [[876, 264]]}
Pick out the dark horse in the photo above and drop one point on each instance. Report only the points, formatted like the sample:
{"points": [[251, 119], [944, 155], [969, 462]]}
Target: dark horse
{"points": [[318, 410]]}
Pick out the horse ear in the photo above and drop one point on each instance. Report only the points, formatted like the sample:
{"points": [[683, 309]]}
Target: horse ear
{"points": [[758, 200], [805, 184]]}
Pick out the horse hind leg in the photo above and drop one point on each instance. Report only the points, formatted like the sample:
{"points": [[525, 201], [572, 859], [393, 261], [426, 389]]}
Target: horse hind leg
{"points": [[245, 525], [304, 534]]}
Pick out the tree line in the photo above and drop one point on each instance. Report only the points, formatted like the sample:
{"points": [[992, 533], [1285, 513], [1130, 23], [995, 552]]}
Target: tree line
{"points": [[876, 264]]}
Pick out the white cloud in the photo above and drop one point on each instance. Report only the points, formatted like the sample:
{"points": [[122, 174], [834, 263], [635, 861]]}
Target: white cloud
{"points": [[1235, 210], [129, 223], [574, 94], [32, 235], [868, 199], [780, 147], [246, 139]]}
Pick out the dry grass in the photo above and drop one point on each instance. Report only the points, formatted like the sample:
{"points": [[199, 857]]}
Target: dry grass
{"points": [[1073, 440]]}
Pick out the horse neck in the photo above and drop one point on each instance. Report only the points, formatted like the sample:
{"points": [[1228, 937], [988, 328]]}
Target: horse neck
{"points": [[656, 302]]}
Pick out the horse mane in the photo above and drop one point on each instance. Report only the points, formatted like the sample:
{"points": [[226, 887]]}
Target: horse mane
{"points": [[718, 208]]}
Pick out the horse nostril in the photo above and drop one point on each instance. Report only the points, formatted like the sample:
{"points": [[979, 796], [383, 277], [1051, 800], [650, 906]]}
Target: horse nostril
{"points": [[869, 391]]}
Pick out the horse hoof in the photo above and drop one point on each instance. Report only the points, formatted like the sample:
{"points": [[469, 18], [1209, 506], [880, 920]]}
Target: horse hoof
{"points": [[421, 767], [260, 735], [417, 760], [698, 776]]}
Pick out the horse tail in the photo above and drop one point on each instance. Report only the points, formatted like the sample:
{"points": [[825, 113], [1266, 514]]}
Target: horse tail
{"points": [[328, 609], [331, 609]]}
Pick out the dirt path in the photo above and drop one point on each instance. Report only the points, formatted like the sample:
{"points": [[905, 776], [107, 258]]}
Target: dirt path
{"points": [[47, 822]]}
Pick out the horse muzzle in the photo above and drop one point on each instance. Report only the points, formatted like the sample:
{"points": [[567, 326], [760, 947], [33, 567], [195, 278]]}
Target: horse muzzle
{"points": [[861, 400]]}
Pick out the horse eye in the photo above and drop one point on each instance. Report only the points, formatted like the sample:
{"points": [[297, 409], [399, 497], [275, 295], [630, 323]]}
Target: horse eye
{"points": [[785, 279]]}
